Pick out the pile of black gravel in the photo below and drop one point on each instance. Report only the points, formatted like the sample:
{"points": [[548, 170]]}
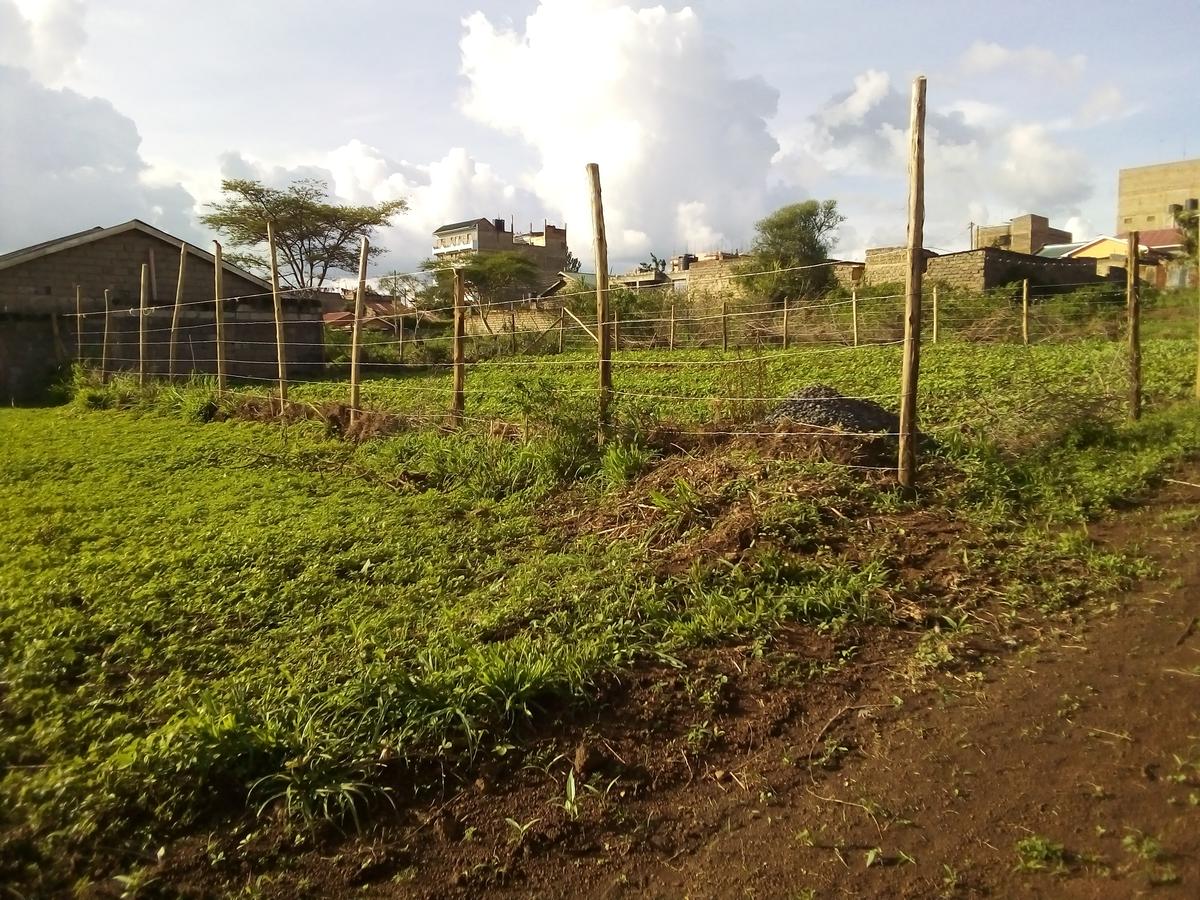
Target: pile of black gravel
{"points": [[823, 407]]}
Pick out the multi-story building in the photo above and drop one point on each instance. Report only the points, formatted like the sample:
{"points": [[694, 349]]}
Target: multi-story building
{"points": [[1024, 234], [1148, 197], [547, 248]]}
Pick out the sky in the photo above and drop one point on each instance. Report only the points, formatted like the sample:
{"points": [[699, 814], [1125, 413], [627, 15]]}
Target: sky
{"points": [[704, 117]]}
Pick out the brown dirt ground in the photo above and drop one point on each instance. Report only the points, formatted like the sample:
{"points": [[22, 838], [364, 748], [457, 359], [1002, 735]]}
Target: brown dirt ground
{"points": [[841, 767]]}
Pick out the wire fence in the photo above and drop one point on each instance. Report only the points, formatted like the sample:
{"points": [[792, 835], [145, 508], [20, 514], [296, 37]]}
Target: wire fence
{"points": [[715, 365]]}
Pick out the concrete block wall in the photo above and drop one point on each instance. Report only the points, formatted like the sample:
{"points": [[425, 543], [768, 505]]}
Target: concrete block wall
{"points": [[47, 284], [34, 349]]}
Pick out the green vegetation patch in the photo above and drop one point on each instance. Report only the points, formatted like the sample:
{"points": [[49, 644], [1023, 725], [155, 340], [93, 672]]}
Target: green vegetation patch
{"points": [[197, 620]]}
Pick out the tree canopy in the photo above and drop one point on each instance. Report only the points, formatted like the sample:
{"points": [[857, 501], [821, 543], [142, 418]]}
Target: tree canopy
{"points": [[490, 278], [312, 235], [800, 234], [1188, 223]]}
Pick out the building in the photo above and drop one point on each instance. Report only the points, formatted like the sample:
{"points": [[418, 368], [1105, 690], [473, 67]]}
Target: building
{"points": [[1159, 256], [888, 265], [40, 331], [1148, 197], [547, 248], [978, 270], [706, 274], [1025, 234]]}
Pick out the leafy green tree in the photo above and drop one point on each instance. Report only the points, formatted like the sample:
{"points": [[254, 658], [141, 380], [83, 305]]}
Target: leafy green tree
{"points": [[800, 234], [313, 236], [1188, 223], [656, 264], [491, 279], [573, 263]]}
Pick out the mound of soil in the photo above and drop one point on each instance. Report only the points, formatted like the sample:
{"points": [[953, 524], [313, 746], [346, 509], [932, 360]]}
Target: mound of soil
{"points": [[821, 406]]}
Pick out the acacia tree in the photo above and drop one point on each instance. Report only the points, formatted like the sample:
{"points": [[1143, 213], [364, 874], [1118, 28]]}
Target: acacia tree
{"points": [[313, 236], [800, 234]]}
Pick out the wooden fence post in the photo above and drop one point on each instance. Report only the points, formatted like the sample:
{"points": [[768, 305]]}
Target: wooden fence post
{"points": [[512, 331], [79, 324], [854, 314], [1133, 301], [935, 314], [104, 344], [219, 315], [277, 302], [1197, 320], [603, 329], [907, 464], [458, 354], [562, 329], [1025, 311], [616, 329], [787, 309], [143, 303], [671, 345], [178, 310], [724, 325], [360, 302]]}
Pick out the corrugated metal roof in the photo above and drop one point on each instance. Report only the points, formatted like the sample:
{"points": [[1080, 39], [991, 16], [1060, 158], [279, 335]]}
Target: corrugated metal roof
{"points": [[457, 226], [1058, 251]]}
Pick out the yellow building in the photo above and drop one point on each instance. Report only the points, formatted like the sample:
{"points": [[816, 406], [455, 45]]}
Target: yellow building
{"points": [[1149, 196]]}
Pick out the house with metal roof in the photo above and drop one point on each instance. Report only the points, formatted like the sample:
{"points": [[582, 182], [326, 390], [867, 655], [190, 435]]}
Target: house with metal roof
{"points": [[53, 309]]}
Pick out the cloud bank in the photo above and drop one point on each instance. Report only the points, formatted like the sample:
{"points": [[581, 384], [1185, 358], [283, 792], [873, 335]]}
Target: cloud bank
{"points": [[683, 145], [68, 162]]}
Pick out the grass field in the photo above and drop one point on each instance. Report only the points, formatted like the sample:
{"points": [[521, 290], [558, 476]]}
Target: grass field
{"points": [[199, 620]]}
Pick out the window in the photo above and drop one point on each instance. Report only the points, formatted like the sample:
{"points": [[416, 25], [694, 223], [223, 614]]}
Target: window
{"points": [[1128, 219]]}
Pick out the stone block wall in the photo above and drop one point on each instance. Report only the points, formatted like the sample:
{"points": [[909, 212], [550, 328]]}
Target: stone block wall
{"points": [[47, 284], [989, 267], [34, 348]]}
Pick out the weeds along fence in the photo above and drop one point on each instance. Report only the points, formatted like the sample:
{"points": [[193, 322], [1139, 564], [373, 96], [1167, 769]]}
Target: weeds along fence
{"points": [[710, 362]]}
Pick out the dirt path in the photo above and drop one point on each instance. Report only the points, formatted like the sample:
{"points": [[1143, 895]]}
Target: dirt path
{"points": [[1089, 741]]}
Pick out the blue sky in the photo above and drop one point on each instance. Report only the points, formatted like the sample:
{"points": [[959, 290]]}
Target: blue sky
{"points": [[703, 116]]}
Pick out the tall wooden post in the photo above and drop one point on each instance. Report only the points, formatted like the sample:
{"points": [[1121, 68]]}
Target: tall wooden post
{"points": [[107, 326], [458, 353], [907, 464], [854, 314], [219, 314], [603, 330], [787, 331], [512, 332], [935, 314], [178, 310], [79, 324], [671, 344], [724, 325], [153, 279], [1133, 302], [1025, 311], [360, 303], [277, 301], [143, 304]]}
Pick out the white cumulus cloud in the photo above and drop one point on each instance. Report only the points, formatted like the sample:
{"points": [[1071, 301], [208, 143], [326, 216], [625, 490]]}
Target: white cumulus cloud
{"points": [[67, 161], [985, 57], [683, 144]]}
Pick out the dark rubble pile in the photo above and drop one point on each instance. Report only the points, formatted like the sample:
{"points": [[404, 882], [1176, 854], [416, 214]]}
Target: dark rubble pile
{"points": [[823, 407]]}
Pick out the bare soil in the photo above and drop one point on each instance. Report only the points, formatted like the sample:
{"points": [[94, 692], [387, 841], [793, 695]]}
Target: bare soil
{"points": [[841, 764]]}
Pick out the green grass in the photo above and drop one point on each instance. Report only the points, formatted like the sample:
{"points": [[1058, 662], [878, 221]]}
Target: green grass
{"points": [[202, 619]]}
